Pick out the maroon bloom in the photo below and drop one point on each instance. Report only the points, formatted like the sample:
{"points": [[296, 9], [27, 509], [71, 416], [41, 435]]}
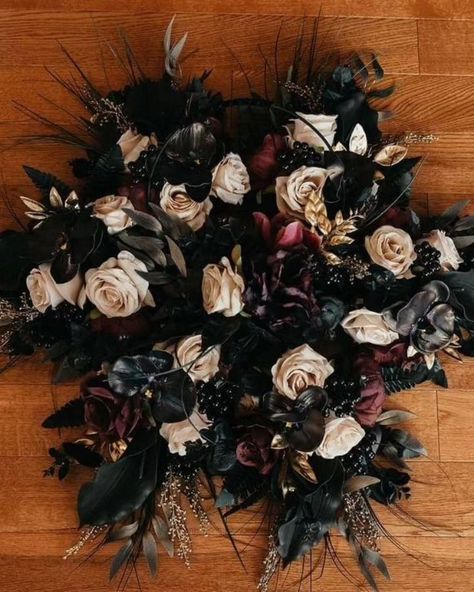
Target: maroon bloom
{"points": [[134, 325], [138, 195], [263, 165], [372, 394], [112, 416], [283, 233], [254, 449]]}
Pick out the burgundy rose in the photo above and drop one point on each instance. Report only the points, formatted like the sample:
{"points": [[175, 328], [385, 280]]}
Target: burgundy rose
{"points": [[263, 165], [283, 233], [138, 195], [134, 325], [397, 217], [109, 414], [394, 354], [372, 394], [253, 450]]}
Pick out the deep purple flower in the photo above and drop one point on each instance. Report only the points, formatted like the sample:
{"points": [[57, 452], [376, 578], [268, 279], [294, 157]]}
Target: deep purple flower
{"points": [[111, 415], [254, 449]]}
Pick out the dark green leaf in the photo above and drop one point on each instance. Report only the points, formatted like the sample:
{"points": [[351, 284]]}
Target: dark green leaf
{"points": [[144, 220], [83, 455], [150, 551], [121, 559], [177, 256]]}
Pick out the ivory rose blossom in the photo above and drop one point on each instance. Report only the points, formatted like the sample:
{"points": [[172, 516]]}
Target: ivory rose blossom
{"points": [[340, 436], [115, 287], [300, 131], [298, 369], [230, 179], [175, 201], [292, 192], [199, 365], [450, 260], [181, 432], [109, 209], [132, 144], [368, 326], [45, 292], [222, 289], [391, 248]]}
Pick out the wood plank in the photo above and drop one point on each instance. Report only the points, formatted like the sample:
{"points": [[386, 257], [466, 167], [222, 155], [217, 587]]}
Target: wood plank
{"points": [[456, 437], [446, 47], [421, 9]]}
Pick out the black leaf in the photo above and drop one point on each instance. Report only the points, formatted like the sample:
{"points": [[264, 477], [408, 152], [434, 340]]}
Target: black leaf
{"points": [[83, 455], [68, 416], [132, 374], [46, 181], [121, 487], [121, 558]]}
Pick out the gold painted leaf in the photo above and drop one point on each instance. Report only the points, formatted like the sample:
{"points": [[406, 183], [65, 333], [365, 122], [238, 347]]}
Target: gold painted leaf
{"points": [[390, 155]]}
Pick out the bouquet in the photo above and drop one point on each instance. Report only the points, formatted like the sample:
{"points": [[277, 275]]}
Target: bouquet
{"points": [[239, 284]]}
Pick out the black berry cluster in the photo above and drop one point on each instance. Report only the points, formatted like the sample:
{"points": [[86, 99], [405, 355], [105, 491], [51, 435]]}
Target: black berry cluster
{"points": [[54, 325], [302, 154], [358, 460], [427, 260], [343, 394], [217, 397], [331, 278], [142, 168]]}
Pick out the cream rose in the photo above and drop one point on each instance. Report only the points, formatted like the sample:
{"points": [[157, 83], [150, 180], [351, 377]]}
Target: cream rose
{"points": [[175, 201], [115, 288], [368, 326], [393, 249], [109, 210], [340, 436], [450, 260], [298, 369], [199, 365], [222, 289], [292, 192], [45, 292], [179, 433], [230, 179], [132, 144], [299, 131]]}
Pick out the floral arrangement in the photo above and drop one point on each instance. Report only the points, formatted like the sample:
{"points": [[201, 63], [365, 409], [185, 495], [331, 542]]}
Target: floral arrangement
{"points": [[240, 285]]}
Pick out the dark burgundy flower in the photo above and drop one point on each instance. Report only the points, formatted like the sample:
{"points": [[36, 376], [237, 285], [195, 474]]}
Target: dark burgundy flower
{"points": [[110, 414], [138, 195], [372, 393], [263, 165], [397, 217], [282, 233], [254, 449], [132, 326]]}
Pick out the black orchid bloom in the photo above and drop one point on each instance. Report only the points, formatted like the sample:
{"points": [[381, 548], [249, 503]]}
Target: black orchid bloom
{"points": [[189, 157], [343, 97], [303, 418], [427, 319], [66, 239], [170, 392]]}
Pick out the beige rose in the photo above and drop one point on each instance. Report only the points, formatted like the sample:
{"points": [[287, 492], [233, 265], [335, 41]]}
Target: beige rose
{"points": [[298, 369], [115, 288], [45, 292], [367, 326], [109, 210], [199, 365], [299, 131], [230, 179], [393, 249], [175, 201], [450, 260], [132, 144], [179, 433], [292, 192], [222, 289], [340, 436]]}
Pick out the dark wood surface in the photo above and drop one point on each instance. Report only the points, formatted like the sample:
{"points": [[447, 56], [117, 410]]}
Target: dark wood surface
{"points": [[427, 47]]}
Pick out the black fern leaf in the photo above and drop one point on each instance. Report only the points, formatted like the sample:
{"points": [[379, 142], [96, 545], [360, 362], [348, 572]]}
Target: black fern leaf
{"points": [[45, 181], [68, 416], [109, 163], [398, 379]]}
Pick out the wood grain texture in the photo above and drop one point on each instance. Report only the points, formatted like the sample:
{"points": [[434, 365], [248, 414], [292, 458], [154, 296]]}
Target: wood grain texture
{"points": [[426, 47]]}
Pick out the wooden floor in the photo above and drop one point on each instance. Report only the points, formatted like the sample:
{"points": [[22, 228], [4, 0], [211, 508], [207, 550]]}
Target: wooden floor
{"points": [[427, 46]]}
